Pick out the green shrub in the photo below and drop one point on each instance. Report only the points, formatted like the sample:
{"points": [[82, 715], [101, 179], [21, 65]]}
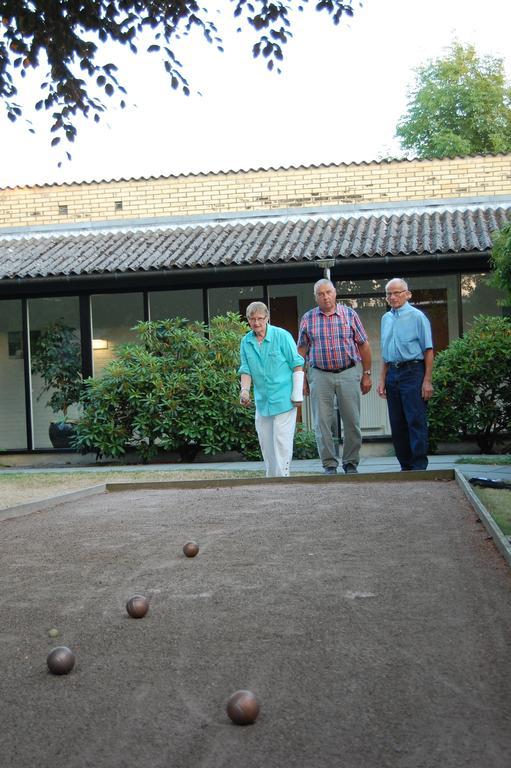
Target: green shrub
{"points": [[472, 386], [500, 261], [176, 391], [305, 446]]}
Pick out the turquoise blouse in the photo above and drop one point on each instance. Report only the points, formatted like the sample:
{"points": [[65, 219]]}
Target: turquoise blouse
{"points": [[270, 364]]}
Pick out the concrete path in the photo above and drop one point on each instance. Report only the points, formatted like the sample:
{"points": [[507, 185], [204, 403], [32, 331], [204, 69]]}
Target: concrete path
{"points": [[367, 465]]}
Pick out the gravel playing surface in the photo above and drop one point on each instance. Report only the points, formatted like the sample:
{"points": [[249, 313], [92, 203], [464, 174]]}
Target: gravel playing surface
{"points": [[372, 620]]}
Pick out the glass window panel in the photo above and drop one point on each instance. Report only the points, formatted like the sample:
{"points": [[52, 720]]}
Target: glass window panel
{"points": [[114, 315], [13, 433], [166, 304], [361, 287], [479, 298], [223, 300], [436, 296], [43, 313]]}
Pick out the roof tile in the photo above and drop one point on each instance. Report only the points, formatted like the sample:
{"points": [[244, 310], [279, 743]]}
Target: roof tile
{"points": [[236, 244]]}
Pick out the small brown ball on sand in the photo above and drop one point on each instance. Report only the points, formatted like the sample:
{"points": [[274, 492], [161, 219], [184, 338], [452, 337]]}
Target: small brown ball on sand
{"points": [[191, 548], [137, 606], [60, 660], [243, 707]]}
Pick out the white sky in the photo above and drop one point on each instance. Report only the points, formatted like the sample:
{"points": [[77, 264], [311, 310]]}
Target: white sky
{"points": [[338, 99]]}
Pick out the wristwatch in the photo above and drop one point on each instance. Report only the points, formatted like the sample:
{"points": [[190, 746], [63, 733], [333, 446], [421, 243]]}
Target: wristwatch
{"points": [[367, 373]]}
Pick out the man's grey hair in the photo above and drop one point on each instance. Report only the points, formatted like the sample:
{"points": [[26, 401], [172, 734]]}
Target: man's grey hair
{"points": [[256, 306], [323, 281], [396, 280]]}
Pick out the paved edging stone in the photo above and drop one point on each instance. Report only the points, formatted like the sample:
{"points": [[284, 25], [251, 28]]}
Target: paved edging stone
{"points": [[366, 477]]}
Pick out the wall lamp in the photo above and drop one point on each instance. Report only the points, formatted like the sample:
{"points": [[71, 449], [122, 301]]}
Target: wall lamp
{"points": [[99, 343]]}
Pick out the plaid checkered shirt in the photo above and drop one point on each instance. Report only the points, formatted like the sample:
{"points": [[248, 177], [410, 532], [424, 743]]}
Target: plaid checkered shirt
{"points": [[331, 341]]}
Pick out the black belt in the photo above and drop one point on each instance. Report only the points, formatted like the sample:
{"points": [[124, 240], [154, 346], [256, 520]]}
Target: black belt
{"points": [[336, 370], [405, 363]]}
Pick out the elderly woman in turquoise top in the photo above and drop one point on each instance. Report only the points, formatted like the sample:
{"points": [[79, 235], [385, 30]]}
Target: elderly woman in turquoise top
{"points": [[271, 363]]}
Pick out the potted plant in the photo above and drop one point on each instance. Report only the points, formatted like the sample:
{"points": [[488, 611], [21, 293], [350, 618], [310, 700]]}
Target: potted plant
{"points": [[56, 356]]}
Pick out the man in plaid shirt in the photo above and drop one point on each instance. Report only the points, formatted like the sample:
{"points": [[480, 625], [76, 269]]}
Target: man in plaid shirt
{"points": [[332, 340]]}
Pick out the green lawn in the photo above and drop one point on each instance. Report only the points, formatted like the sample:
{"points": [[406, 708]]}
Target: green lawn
{"points": [[504, 458], [498, 503]]}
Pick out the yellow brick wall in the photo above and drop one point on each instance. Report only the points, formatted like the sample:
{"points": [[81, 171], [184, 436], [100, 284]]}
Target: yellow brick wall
{"points": [[260, 190]]}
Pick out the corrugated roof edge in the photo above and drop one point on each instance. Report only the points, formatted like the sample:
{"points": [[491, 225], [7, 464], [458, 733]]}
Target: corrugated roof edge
{"points": [[385, 161]]}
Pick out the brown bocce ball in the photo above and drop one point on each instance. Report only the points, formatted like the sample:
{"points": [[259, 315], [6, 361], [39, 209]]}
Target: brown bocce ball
{"points": [[137, 606], [191, 548], [243, 707], [60, 660]]}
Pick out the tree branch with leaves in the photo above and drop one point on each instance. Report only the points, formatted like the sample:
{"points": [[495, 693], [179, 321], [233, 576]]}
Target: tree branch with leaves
{"points": [[67, 38]]}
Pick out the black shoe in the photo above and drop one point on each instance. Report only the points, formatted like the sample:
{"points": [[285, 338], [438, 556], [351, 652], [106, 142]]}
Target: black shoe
{"points": [[330, 470], [350, 469]]}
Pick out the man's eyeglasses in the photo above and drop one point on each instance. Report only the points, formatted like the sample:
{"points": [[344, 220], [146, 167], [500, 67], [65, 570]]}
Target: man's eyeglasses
{"points": [[395, 293]]}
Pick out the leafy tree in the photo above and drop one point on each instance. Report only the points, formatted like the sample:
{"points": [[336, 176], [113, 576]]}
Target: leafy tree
{"points": [[177, 391], [500, 261], [472, 386], [459, 105], [69, 37]]}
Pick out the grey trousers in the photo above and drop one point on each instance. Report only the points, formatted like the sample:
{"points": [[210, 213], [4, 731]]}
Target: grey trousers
{"points": [[324, 388]]}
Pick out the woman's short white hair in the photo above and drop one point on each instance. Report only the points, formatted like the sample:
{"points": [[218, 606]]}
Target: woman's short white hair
{"points": [[256, 306]]}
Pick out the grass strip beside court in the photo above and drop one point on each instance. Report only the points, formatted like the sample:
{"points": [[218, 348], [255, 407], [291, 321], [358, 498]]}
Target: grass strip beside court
{"points": [[498, 503], [497, 460]]}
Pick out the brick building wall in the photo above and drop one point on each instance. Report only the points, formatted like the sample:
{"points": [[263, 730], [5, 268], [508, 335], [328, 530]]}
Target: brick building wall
{"points": [[258, 190]]}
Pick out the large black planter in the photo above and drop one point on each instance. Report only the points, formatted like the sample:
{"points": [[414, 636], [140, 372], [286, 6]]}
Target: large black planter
{"points": [[188, 451], [61, 434]]}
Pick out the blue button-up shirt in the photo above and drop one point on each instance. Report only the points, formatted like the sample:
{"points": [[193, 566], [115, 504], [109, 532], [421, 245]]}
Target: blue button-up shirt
{"points": [[270, 364], [405, 334]]}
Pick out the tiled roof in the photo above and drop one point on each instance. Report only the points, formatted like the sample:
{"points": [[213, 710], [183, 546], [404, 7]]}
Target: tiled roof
{"points": [[261, 243]]}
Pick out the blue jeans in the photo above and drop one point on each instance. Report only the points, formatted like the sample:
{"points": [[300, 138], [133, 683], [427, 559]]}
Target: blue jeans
{"points": [[408, 415]]}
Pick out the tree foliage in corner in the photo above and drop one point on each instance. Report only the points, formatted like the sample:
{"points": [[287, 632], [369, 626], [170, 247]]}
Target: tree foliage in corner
{"points": [[67, 39], [460, 105], [500, 261]]}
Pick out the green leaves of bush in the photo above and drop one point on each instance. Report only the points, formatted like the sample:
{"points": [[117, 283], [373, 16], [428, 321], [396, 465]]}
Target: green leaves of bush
{"points": [[178, 390], [472, 386], [500, 260], [304, 446]]}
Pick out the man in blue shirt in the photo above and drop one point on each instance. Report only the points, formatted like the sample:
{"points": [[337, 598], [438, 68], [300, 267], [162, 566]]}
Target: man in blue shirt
{"points": [[405, 379]]}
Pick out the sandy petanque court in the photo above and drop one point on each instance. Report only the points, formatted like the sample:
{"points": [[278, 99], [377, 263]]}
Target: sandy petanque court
{"points": [[371, 619]]}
